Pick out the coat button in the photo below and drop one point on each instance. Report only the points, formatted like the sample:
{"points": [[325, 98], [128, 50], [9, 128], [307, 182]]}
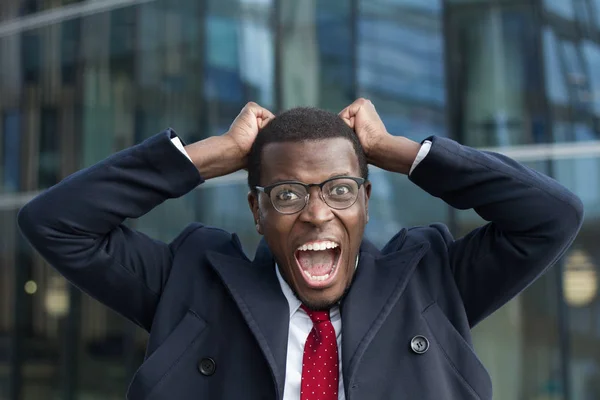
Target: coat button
{"points": [[419, 344], [207, 366]]}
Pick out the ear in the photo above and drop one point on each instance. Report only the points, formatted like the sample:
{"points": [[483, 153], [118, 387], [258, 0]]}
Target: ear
{"points": [[367, 186], [254, 207]]}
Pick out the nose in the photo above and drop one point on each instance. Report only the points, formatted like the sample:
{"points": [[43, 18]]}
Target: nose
{"points": [[316, 211]]}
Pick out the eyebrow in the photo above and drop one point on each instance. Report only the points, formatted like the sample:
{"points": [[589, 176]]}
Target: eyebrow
{"points": [[292, 179]]}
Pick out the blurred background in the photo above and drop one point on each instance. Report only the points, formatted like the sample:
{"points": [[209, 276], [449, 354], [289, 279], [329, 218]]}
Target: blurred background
{"points": [[80, 80]]}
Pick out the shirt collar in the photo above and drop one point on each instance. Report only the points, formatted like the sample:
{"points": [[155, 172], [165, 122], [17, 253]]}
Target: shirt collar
{"points": [[292, 300]]}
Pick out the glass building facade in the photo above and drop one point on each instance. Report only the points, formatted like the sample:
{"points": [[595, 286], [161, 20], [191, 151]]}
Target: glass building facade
{"points": [[80, 80]]}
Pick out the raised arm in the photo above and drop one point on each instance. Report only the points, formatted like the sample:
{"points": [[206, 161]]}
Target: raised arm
{"points": [[77, 225], [532, 222], [532, 219]]}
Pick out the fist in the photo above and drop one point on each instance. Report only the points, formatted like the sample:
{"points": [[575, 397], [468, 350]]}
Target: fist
{"points": [[363, 118], [246, 126]]}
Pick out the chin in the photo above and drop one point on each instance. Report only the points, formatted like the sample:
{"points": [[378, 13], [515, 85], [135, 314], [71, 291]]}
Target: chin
{"points": [[323, 300]]}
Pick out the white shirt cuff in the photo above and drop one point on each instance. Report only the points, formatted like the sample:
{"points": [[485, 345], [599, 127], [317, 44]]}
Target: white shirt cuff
{"points": [[423, 151], [177, 142]]}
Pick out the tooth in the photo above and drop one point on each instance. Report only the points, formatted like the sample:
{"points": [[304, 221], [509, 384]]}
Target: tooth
{"points": [[322, 246]]}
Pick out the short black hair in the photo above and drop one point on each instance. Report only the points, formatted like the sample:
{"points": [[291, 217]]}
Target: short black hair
{"points": [[298, 125]]}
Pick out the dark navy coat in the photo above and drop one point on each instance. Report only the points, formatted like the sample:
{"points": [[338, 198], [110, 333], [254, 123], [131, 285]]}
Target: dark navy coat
{"points": [[218, 321]]}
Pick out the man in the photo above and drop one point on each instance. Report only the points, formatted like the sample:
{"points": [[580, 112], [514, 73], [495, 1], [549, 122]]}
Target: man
{"points": [[320, 313]]}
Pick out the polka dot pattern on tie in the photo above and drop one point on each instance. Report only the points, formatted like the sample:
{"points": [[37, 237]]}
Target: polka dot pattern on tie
{"points": [[320, 370]]}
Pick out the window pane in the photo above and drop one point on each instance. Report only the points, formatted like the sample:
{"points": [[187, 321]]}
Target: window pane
{"points": [[591, 52], [49, 158], [495, 78], [12, 150], [564, 8], [401, 65], [316, 54]]}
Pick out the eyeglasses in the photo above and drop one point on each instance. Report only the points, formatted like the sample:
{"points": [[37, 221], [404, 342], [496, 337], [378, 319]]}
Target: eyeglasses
{"points": [[290, 197]]}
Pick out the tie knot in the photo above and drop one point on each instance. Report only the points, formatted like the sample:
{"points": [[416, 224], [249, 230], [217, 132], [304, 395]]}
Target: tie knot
{"points": [[316, 316]]}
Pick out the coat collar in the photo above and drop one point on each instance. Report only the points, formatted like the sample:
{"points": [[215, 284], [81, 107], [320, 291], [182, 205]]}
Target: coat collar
{"points": [[378, 283]]}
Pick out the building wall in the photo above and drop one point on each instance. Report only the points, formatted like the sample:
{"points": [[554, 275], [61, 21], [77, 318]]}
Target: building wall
{"points": [[81, 80]]}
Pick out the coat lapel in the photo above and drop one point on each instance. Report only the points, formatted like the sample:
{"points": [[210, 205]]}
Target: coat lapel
{"points": [[378, 284], [257, 292]]}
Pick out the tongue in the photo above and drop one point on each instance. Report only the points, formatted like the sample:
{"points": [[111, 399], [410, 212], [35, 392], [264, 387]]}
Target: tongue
{"points": [[317, 263]]}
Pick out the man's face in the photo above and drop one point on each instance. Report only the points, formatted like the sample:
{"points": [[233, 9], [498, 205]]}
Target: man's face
{"points": [[320, 276]]}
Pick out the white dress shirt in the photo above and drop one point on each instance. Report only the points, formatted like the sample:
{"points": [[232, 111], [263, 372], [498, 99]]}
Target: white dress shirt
{"points": [[300, 322], [300, 327]]}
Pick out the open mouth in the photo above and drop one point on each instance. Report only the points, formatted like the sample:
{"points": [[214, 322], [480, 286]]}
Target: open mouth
{"points": [[318, 261]]}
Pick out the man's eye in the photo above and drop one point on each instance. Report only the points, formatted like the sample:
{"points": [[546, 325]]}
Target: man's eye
{"points": [[287, 195], [340, 190]]}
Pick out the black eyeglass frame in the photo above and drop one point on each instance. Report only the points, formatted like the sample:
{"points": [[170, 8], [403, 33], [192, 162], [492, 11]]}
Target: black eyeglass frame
{"points": [[307, 186]]}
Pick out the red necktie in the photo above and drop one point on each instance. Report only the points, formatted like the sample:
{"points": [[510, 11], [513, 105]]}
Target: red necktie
{"points": [[320, 370]]}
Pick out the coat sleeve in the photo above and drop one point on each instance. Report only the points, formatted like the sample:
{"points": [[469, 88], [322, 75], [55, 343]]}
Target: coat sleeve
{"points": [[532, 220], [77, 225]]}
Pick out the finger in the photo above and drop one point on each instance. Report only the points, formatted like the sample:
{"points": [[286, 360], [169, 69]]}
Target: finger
{"points": [[267, 114], [345, 116], [266, 117], [264, 122], [344, 113], [355, 107], [351, 110], [349, 122], [261, 112]]}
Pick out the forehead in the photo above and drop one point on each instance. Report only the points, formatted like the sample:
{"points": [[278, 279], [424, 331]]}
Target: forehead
{"points": [[309, 161]]}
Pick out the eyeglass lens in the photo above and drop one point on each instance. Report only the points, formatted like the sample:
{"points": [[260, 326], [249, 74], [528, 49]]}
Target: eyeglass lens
{"points": [[338, 193]]}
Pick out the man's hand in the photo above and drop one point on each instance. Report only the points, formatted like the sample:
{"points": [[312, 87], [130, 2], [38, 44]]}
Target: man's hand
{"points": [[228, 153], [363, 118], [392, 153], [246, 126]]}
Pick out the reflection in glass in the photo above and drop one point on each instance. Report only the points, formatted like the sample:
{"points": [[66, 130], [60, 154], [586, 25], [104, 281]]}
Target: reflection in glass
{"points": [[555, 80], [564, 8], [400, 66], [11, 147], [494, 78], [316, 54], [591, 52], [580, 279], [48, 169]]}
